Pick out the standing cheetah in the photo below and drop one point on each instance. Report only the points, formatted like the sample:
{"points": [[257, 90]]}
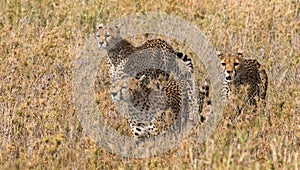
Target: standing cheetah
{"points": [[119, 49], [240, 73]]}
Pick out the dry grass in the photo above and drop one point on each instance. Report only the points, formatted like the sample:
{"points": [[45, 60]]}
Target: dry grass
{"points": [[40, 40]]}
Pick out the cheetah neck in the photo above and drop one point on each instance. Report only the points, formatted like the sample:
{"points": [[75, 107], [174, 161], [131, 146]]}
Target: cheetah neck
{"points": [[121, 50]]}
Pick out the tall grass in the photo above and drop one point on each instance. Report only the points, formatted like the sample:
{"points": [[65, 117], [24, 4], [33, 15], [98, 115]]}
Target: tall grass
{"points": [[39, 40]]}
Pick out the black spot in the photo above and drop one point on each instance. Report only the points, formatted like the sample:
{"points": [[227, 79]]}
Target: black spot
{"points": [[179, 54], [202, 118], [140, 124], [209, 102]]}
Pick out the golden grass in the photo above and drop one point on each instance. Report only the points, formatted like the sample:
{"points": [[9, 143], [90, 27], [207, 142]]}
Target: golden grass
{"points": [[40, 40]]}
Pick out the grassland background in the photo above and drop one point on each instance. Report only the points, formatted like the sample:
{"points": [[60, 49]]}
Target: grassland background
{"points": [[39, 40]]}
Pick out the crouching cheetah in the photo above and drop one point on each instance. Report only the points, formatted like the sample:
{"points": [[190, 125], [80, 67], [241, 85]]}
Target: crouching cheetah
{"points": [[240, 73], [150, 105]]}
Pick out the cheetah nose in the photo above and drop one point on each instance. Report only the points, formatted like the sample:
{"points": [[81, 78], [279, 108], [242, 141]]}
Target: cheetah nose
{"points": [[228, 78], [100, 43], [113, 94]]}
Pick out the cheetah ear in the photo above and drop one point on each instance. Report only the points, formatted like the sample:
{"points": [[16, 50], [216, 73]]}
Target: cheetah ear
{"points": [[171, 77], [161, 78], [145, 79], [219, 53], [118, 26], [100, 26]]}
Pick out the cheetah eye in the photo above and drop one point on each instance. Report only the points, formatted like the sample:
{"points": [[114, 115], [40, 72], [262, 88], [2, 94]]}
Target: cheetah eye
{"points": [[235, 64], [223, 64], [107, 36]]}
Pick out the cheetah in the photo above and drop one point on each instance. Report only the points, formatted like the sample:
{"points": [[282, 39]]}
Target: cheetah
{"points": [[151, 106], [239, 72], [119, 49]]}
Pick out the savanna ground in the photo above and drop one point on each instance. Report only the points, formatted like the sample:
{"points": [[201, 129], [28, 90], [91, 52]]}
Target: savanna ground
{"points": [[39, 41]]}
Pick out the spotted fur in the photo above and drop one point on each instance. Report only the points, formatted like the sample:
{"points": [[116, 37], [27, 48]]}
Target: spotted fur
{"points": [[239, 72]]}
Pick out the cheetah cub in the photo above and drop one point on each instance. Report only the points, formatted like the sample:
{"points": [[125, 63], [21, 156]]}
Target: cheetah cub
{"points": [[243, 74]]}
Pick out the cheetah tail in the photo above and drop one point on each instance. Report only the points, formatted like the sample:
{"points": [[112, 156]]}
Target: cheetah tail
{"points": [[185, 59]]}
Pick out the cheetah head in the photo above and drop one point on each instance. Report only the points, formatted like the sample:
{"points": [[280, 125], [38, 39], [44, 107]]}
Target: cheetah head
{"points": [[126, 86], [120, 89], [108, 36], [230, 63]]}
